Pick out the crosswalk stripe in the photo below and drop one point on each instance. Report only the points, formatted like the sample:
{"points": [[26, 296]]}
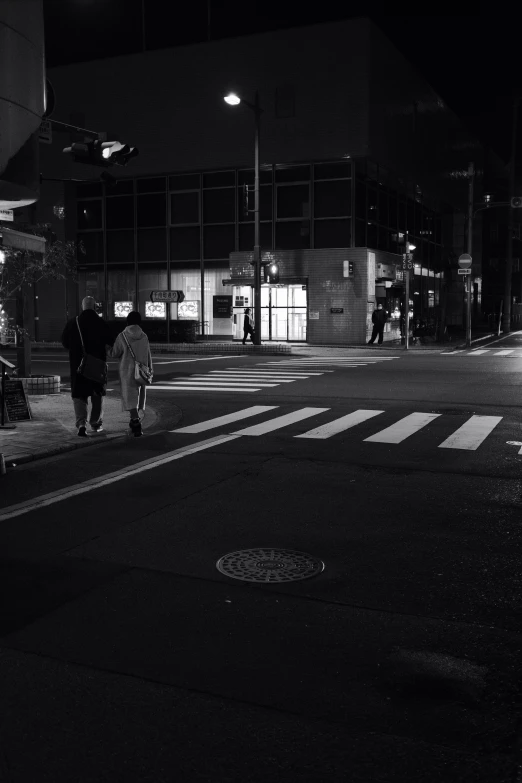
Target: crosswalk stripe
{"points": [[220, 382], [340, 425], [203, 388], [256, 378], [403, 428], [472, 433], [503, 353], [478, 353], [261, 373], [281, 421], [228, 418]]}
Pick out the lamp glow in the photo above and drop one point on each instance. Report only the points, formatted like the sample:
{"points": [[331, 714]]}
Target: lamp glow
{"points": [[232, 99]]}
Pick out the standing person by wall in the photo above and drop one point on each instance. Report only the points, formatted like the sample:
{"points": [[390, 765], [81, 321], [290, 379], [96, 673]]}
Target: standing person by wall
{"points": [[378, 320], [133, 395]]}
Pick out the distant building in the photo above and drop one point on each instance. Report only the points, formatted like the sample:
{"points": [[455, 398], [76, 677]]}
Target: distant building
{"points": [[356, 150]]}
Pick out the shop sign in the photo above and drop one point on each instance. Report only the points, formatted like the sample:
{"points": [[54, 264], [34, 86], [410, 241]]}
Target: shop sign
{"points": [[313, 315], [16, 405], [222, 306], [167, 296], [337, 309]]}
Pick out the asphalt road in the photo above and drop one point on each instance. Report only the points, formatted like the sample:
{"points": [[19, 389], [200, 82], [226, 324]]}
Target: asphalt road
{"points": [[126, 655]]}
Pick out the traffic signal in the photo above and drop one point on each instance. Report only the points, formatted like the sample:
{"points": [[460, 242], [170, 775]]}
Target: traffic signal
{"points": [[516, 202], [101, 153], [245, 201], [272, 273]]}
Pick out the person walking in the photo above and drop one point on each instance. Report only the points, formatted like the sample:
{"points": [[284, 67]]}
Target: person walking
{"points": [[248, 326], [133, 394], [378, 320], [86, 334]]}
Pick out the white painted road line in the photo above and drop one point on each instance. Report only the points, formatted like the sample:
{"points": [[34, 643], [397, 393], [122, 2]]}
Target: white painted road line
{"points": [[259, 374], [221, 382], [340, 425], [202, 388], [476, 352], [472, 433], [87, 486], [228, 418], [203, 359], [503, 353], [281, 421], [403, 428]]}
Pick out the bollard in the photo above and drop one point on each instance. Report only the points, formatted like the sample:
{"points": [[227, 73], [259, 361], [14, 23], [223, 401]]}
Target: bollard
{"points": [[2, 465]]}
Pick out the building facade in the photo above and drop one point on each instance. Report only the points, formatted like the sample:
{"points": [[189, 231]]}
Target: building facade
{"points": [[357, 153]]}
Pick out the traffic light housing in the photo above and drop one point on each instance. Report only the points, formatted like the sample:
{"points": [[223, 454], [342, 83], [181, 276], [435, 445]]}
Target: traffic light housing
{"points": [[101, 153], [245, 201], [272, 273], [516, 202]]}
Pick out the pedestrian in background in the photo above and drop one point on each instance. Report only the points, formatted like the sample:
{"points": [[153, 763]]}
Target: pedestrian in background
{"points": [[248, 326], [378, 320], [133, 394], [90, 328]]}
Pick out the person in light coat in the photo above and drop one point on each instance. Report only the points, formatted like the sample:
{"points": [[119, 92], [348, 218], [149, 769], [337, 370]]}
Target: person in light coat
{"points": [[133, 395]]}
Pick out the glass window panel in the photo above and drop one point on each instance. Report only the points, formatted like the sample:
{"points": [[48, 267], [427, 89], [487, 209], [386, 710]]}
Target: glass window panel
{"points": [[152, 245], [184, 243], [292, 235], [360, 199], [218, 241], [121, 293], [120, 212], [279, 297], [392, 219], [297, 296], [89, 189], [184, 208], [292, 174], [403, 226], [152, 279], [184, 182], [265, 204], [410, 210], [383, 206], [332, 199], [360, 233], [93, 244], [246, 176], [151, 185], [332, 170], [120, 247], [293, 201], [120, 187], [373, 204], [92, 283], [89, 214], [246, 236], [189, 281], [152, 210], [297, 323], [219, 206], [373, 235], [332, 233], [219, 179]]}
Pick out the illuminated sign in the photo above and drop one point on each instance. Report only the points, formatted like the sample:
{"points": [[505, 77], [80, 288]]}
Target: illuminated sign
{"points": [[189, 310], [155, 310], [122, 309]]}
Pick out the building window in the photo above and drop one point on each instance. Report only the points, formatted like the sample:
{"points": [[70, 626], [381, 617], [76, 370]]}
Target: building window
{"points": [[265, 203], [292, 173], [218, 241], [341, 170], [293, 201], [219, 205], [120, 247], [184, 243], [152, 210], [184, 207], [89, 214], [151, 185], [184, 182], [332, 233], [152, 245], [219, 179], [292, 234], [93, 244], [246, 236], [120, 212], [332, 199]]}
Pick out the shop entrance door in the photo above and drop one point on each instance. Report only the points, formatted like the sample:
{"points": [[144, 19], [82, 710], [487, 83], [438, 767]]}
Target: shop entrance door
{"points": [[283, 312]]}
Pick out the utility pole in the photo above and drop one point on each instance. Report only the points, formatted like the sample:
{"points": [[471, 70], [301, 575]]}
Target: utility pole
{"points": [[407, 296], [471, 176], [506, 319], [257, 247]]}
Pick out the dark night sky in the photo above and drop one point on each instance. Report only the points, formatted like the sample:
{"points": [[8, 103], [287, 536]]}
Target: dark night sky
{"points": [[468, 52]]}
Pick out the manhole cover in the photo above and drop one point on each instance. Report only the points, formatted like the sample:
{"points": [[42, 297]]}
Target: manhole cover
{"points": [[269, 565]]}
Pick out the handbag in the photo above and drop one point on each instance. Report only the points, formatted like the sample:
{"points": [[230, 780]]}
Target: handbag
{"points": [[142, 373], [90, 367]]}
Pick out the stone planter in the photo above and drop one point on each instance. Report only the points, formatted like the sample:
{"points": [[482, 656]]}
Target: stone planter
{"points": [[41, 384]]}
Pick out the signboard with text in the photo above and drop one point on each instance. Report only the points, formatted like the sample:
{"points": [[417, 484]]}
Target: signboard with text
{"points": [[167, 296], [15, 404], [221, 306]]}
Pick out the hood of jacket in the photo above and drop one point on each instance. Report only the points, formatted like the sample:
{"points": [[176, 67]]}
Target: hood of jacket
{"points": [[134, 333]]}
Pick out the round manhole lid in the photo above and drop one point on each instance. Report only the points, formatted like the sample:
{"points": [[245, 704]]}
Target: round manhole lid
{"points": [[267, 564]]}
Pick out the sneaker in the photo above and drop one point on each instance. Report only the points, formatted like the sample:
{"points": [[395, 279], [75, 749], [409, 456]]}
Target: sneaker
{"points": [[82, 431], [97, 427]]}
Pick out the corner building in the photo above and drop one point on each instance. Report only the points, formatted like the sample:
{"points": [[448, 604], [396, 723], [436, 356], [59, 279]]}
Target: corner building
{"points": [[356, 152]]}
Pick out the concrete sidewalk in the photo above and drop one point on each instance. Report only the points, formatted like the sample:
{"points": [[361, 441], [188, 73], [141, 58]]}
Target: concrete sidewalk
{"points": [[52, 428]]}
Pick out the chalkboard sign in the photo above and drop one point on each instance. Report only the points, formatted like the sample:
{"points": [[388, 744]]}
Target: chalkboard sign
{"points": [[16, 403], [222, 306]]}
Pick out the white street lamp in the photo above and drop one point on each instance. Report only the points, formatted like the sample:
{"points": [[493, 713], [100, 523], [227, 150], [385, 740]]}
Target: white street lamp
{"points": [[232, 99]]}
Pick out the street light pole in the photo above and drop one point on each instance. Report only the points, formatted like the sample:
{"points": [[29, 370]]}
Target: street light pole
{"points": [[471, 174], [257, 247], [506, 319]]}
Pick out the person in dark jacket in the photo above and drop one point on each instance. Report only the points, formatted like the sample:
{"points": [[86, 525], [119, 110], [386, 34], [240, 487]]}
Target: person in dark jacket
{"points": [[378, 321], [248, 328], [96, 335]]}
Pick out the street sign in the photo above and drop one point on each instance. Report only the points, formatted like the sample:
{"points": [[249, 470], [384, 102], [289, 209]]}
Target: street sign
{"points": [[465, 261], [167, 296], [464, 271], [7, 214]]}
